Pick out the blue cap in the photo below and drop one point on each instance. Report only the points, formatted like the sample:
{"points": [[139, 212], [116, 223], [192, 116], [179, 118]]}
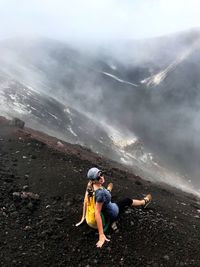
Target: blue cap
{"points": [[94, 173]]}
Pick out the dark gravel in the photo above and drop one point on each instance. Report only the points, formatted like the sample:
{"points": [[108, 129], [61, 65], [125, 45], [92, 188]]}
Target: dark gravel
{"points": [[41, 193]]}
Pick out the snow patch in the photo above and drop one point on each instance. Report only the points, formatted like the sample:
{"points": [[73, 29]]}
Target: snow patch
{"points": [[20, 108], [118, 79], [70, 129], [124, 161], [13, 97], [52, 115], [120, 139], [113, 67], [67, 110], [160, 76], [29, 93]]}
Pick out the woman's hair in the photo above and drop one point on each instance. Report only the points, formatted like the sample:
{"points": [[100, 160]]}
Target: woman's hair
{"points": [[90, 188]]}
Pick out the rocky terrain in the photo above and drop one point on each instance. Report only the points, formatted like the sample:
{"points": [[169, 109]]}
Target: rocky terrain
{"points": [[42, 183]]}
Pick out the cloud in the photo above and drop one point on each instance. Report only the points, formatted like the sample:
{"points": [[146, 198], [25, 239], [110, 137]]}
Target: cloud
{"points": [[98, 20]]}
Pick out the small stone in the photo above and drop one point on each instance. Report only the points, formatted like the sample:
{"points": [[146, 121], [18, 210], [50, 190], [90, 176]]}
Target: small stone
{"points": [[25, 187], [59, 144], [14, 214], [12, 208], [128, 211], [59, 219], [68, 203], [27, 227], [166, 257], [16, 195], [30, 195], [30, 205]]}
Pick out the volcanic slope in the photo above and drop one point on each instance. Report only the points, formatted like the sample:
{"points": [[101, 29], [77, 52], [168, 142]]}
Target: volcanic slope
{"points": [[42, 184]]}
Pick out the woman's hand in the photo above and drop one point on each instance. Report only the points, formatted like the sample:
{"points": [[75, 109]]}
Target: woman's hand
{"points": [[81, 221], [102, 239]]}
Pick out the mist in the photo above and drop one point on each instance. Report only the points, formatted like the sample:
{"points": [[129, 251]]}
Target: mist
{"points": [[96, 56], [96, 22]]}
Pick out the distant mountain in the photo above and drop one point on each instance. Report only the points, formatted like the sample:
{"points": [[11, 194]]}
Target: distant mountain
{"points": [[148, 89], [46, 114], [164, 111]]}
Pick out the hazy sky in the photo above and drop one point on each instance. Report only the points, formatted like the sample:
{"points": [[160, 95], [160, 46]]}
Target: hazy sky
{"points": [[97, 20]]}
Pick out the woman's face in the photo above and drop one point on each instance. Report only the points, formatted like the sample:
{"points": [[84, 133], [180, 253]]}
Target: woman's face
{"points": [[102, 179]]}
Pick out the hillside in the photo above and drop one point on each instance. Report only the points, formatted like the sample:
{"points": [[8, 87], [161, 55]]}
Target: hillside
{"points": [[40, 111], [37, 228], [149, 88]]}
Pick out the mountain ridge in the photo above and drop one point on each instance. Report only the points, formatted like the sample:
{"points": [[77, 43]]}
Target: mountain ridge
{"points": [[152, 114]]}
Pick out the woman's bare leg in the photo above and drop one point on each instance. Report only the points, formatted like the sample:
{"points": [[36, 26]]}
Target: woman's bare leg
{"points": [[137, 202], [144, 202]]}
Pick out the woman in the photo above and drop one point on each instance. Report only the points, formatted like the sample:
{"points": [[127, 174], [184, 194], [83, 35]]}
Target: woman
{"points": [[103, 202]]}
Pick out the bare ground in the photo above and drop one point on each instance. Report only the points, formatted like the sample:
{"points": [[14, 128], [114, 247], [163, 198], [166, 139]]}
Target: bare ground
{"points": [[38, 229]]}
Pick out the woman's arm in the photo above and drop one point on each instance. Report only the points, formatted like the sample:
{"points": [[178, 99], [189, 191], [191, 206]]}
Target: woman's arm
{"points": [[102, 237], [84, 209]]}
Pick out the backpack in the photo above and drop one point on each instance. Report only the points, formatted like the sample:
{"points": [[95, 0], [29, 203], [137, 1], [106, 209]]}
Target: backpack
{"points": [[90, 213]]}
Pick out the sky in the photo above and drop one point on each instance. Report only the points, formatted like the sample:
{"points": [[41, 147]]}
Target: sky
{"points": [[97, 20]]}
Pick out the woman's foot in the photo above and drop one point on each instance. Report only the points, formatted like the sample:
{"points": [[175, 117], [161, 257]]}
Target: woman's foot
{"points": [[147, 200], [110, 187]]}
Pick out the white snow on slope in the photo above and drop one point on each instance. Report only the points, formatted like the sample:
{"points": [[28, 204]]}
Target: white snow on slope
{"points": [[120, 139], [67, 110], [52, 115], [160, 76], [113, 67], [118, 79], [20, 108], [70, 129], [10, 109], [69, 114]]}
